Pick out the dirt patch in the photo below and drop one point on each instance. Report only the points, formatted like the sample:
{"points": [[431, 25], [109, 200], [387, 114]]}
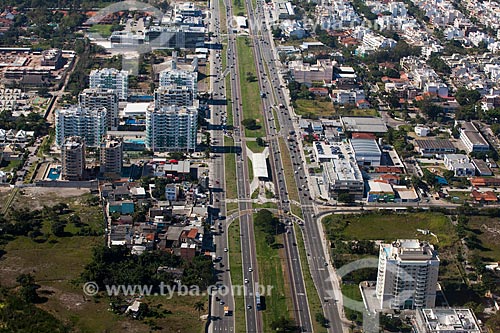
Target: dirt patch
{"points": [[37, 197]]}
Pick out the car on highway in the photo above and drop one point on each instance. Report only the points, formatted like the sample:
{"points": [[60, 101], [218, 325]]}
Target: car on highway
{"points": [[226, 249], [250, 269]]}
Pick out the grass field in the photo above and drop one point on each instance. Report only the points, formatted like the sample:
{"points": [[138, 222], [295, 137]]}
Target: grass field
{"points": [[389, 226], [250, 92], [312, 294], [253, 146], [487, 230], [271, 273], [291, 186], [236, 274], [230, 170], [314, 108], [231, 206], [239, 8], [357, 112], [104, 30], [351, 291]]}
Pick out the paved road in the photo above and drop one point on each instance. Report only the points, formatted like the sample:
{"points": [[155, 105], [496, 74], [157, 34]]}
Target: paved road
{"points": [[326, 284], [221, 323], [294, 270], [249, 258]]}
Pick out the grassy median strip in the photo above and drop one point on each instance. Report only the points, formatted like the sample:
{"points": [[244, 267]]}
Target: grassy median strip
{"points": [[291, 186], [223, 18], [297, 211], [312, 294], [230, 170], [239, 8], [235, 264], [271, 273], [254, 146], [249, 86]]}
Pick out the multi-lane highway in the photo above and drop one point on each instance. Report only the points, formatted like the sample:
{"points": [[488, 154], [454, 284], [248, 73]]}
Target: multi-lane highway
{"points": [[317, 254], [249, 258], [294, 270], [272, 84], [220, 323]]}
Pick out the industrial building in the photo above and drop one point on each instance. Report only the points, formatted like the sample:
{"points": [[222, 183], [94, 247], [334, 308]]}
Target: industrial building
{"points": [[110, 78], [446, 321], [89, 124], [364, 124], [407, 275], [73, 158], [366, 152]]}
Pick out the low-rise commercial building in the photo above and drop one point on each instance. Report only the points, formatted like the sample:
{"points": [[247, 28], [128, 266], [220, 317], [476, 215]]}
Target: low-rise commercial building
{"points": [[460, 164], [446, 321], [434, 147], [472, 138], [321, 72], [341, 173]]}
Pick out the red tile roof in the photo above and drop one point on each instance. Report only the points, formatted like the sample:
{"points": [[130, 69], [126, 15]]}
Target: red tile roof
{"points": [[369, 136], [192, 233], [484, 196]]}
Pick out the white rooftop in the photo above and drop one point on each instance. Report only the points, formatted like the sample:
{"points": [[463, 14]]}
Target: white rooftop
{"points": [[259, 165]]}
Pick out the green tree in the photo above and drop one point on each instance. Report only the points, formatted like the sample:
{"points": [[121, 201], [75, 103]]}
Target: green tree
{"points": [[465, 96], [320, 318], [28, 290], [284, 325], [199, 306], [345, 198]]}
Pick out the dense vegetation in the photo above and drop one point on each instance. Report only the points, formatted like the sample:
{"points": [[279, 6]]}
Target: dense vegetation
{"points": [[18, 315], [117, 266]]}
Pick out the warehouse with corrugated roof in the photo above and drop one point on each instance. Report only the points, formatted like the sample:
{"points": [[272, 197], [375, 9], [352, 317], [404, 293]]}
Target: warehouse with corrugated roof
{"points": [[366, 151]]}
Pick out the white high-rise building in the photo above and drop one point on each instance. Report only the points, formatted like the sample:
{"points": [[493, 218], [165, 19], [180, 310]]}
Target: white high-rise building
{"points": [[171, 128], [90, 124], [73, 158], [100, 97], [174, 95], [180, 78], [407, 275], [110, 78]]}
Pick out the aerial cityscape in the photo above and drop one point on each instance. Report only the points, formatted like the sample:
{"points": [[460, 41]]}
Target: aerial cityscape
{"points": [[250, 166]]}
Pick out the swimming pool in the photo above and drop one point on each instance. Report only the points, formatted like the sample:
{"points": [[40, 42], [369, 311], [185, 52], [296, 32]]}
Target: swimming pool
{"points": [[54, 174]]}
